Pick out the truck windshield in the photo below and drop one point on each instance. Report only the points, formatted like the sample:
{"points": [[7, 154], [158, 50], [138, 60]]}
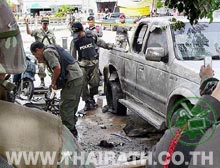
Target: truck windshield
{"points": [[197, 41]]}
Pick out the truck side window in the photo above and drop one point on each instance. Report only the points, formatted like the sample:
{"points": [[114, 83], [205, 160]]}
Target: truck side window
{"points": [[157, 38], [139, 38]]}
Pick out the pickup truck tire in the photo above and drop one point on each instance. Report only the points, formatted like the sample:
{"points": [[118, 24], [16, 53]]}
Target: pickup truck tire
{"points": [[116, 94]]}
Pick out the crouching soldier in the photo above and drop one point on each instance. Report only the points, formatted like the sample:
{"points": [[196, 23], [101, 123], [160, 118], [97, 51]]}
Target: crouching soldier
{"points": [[66, 75], [23, 130], [85, 43]]}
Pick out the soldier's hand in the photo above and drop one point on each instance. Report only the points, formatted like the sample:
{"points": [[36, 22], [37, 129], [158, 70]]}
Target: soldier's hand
{"points": [[26, 21], [206, 72], [111, 46], [124, 29]]}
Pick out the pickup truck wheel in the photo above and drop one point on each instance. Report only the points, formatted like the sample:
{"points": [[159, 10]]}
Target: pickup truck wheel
{"points": [[115, 93]]}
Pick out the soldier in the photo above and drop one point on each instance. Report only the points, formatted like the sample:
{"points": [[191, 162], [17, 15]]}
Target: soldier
{"points": [[71, 20], [92, 27], [97, 31], [45, 36], [52, 56], [121, 33], [26, 129], [85, 44]]}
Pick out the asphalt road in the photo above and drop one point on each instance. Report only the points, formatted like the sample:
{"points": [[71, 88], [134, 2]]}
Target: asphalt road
{"points": [[97, 126]]}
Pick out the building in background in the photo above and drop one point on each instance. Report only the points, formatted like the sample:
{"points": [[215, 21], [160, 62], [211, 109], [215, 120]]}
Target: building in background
{"points": [[39, 7]]}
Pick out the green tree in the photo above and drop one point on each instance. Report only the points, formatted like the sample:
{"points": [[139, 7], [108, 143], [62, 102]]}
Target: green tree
{"points": [[62, 10], [159, 4], [195, 9]]}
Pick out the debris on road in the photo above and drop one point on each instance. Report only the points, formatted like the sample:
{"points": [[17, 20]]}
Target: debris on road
{"points": [[105, 144], [103, 126], [121, 136]]}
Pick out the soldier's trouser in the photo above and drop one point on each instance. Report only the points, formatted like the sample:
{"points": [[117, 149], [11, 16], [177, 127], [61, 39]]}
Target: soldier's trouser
{"points": [[42, 68], [91, 81], [70, 97]]}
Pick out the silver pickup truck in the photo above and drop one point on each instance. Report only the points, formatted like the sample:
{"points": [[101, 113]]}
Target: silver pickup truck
{"points": [[160, 67]]}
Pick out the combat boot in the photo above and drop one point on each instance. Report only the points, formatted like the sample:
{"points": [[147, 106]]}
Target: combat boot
{"points": [[42, 84], [74, 132], [93, 103]]}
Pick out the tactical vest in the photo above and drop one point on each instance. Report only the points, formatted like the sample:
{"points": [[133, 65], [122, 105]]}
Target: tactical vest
{"points": [[121, 30], [86, 48]]}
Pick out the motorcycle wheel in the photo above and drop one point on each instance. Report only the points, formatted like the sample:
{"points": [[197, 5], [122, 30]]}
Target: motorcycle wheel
{"points": [[26, 88]]}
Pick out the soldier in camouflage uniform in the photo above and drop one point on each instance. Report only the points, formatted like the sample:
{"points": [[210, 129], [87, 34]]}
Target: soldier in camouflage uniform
{"points": [[12, 56], [26, 129], [121, 34], [85, 44], [45, 36], [70, 93], [97, 31]]}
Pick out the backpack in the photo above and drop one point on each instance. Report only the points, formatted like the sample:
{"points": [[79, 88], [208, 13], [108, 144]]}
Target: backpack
{"points": [[65, 59]]}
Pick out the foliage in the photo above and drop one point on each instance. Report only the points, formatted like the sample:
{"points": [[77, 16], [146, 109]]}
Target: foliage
{"points": [[176, 24], [195, 9], [10, 3], [63, 10], [159, 4]]}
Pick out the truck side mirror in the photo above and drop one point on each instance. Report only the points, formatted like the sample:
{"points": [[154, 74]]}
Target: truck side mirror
{"points": [[155, 54]]}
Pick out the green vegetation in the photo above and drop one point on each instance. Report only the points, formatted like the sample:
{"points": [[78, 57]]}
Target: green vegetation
{"points": [[159, 4], [61, 11], [195, 9]]}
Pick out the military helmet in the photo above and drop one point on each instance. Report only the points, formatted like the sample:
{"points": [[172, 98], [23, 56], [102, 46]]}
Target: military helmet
{"points": [[45, 20], [91, 18], [77, 27]]}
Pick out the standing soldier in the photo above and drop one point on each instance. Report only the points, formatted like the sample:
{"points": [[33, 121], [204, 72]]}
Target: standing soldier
{"points": [[71, 20], [95, 28], [121, 33], [85, 44], [97, 31], [65, 70], [45, 36]]}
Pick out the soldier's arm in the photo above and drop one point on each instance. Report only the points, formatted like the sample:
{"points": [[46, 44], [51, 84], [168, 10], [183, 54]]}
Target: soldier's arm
{"points": [[100, 33], [54, 38], [73, 50], [28, 30], [54, 64], [208, 82], [103, 44]]}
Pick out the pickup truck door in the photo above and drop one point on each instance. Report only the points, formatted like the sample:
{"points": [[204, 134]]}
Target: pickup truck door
{"points": [[132, 61], [152, 76]]}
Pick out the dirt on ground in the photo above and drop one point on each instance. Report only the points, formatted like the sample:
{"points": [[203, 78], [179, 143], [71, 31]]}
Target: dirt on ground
{"points": [[100, 132]]}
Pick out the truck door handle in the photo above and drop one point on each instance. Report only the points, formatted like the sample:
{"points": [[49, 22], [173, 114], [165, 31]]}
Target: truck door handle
{"points": [[173, 78], [141, 67]]}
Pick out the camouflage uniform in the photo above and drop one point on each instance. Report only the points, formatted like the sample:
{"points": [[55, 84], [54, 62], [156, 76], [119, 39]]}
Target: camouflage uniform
{"points": [[90, 69], [70, 94], [121, 37], [46, 37], [12, 56]]}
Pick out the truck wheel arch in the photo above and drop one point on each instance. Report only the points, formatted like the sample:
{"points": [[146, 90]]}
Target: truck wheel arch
{"points": [[177, 95]]}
